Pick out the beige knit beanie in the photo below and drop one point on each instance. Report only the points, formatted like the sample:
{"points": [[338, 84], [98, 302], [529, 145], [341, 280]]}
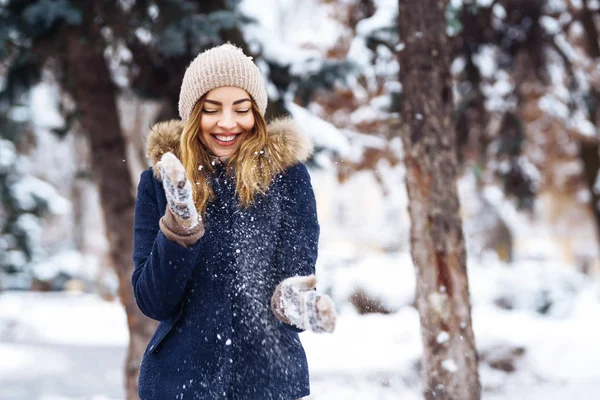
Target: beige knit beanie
{"points": [[224, 65]]}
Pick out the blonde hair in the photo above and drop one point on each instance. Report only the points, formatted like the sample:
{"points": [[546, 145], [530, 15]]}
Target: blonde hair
{"points": [[251, 165]]}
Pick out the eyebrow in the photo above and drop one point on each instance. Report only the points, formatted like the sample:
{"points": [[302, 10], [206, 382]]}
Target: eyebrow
{"points": [[218, 103]]}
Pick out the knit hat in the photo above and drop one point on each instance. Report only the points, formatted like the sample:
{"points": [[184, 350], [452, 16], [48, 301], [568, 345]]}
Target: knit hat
{"points": [[224, 65]]}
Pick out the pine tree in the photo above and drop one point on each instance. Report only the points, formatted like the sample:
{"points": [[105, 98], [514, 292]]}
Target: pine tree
{"points": [[24, 199], [18, 244]]}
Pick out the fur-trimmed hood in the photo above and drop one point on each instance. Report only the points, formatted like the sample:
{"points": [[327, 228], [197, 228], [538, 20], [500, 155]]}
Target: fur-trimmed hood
{"points": [[286, 143]]}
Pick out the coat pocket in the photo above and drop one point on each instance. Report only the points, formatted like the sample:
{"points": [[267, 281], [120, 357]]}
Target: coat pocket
{"points": [[162, 330]]}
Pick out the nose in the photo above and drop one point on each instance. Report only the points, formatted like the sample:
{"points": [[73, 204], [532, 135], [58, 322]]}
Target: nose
{"points": [[226, 122]]}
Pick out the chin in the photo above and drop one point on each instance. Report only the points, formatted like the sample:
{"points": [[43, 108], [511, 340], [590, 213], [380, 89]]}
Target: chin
{"points": [[226, 153]]}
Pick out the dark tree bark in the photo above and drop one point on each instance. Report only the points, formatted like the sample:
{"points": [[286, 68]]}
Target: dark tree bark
{"points": [[95, 95], [589, 151], [437, 243]]}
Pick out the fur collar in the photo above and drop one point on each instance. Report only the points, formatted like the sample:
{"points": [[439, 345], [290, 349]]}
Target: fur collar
{"points": [[286, 143]]}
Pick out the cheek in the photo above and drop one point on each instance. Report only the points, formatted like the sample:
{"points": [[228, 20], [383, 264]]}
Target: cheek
{"points": [[205, 137], [204, 140], [247, 122], [205, 125]]}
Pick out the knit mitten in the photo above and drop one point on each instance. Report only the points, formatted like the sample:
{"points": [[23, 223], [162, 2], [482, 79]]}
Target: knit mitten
{"points": [[181, 217], [296, 302]]}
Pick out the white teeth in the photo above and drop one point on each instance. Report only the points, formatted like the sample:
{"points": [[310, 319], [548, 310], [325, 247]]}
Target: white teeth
{"points": [[226, 138]]}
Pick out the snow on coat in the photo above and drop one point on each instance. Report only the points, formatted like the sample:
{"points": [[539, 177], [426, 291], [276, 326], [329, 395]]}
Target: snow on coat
{"points": [[217, 337]]}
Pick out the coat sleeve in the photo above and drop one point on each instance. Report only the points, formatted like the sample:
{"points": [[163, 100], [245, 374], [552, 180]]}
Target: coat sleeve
{"points": [[162, 268], [299, 234]]}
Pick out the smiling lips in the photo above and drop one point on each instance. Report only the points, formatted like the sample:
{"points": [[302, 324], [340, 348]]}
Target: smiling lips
{"points": [[225, 139]]}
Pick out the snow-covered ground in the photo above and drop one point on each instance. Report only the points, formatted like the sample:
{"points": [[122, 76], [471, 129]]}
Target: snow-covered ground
{"points": [[59, 346]]}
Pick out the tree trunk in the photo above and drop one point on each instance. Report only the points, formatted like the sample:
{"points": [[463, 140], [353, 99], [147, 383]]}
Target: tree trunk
{"points": [[95, 95], [82, 176], [589, 151], [437, 242], [589, 154]]}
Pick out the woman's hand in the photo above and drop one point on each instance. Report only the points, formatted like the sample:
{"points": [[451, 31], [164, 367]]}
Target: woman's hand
{"points": [[178, 190], [296, 302]]}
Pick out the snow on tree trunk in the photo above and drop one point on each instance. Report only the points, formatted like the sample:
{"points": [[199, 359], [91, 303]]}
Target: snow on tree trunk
{"points": [[437, 243], [95, 96]]}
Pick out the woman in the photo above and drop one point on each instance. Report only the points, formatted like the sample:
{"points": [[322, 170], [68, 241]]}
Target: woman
{"points": [[225, 243]]}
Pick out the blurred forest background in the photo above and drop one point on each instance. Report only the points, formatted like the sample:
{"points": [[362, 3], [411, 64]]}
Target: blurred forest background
{"points": [[81, 83]]}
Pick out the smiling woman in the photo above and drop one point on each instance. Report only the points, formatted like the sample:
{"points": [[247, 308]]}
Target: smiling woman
{"points": [[225, 243]]}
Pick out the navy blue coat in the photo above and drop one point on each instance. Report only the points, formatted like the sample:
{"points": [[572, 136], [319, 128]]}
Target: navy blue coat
{"points": [[217, 337]]}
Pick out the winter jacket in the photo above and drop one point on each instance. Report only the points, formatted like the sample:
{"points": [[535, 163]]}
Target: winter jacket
{"points": [[217, 337]]}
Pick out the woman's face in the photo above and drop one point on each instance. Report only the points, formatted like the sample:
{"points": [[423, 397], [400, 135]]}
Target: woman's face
{"points": [[227, 120]]}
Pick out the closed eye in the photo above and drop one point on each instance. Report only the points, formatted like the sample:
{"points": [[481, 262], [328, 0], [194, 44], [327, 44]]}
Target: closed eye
{"points": [[242, 111], [204, 110]]}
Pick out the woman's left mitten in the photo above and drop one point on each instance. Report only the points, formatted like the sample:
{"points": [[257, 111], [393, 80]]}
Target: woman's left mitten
{"points": [[296, 302]]}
